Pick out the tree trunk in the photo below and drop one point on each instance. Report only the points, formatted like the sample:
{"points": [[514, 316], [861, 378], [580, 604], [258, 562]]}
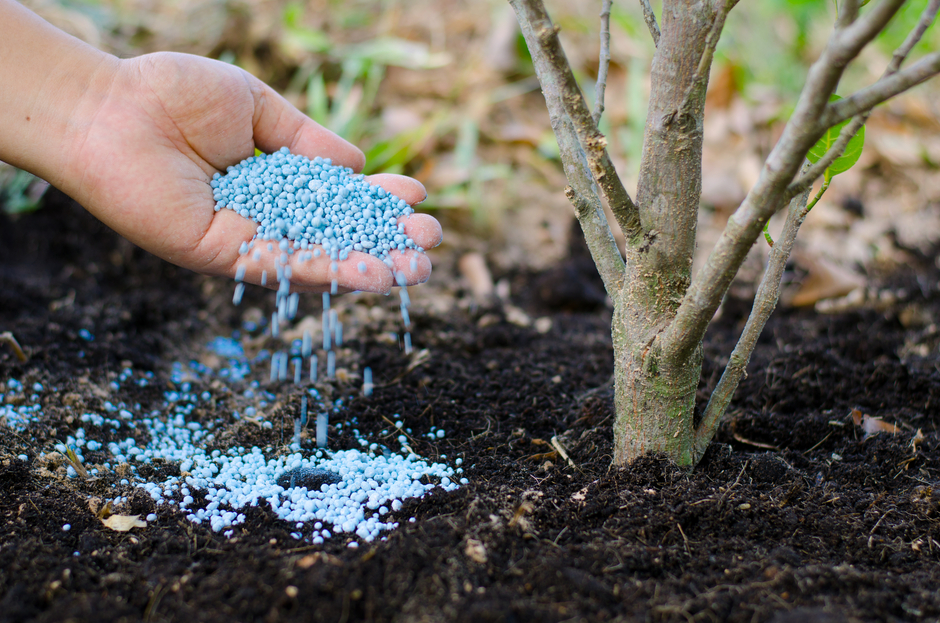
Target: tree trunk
{"points": [[655, 398], [654, 401]]}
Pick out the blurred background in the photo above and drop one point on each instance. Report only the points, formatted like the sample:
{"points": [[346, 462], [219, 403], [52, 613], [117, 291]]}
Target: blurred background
{"points": [[444, 91]]}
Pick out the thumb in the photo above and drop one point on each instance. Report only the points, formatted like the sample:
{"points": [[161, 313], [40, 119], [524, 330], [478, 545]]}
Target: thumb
{"points": [[277, 123]]}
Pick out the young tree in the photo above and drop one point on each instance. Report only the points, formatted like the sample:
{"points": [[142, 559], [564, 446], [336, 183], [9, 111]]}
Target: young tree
{"points": [[661, 312]]}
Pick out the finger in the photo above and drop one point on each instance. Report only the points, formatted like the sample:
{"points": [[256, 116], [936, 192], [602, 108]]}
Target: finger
{"points": [[312, 271], [410, 267], [403, 187], [277, 123], [359, 272], [424, 229]]}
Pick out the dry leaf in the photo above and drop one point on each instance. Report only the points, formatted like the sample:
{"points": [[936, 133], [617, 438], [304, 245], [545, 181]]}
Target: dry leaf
{"points": [[872, 425], [825, 280], [123, 523]]}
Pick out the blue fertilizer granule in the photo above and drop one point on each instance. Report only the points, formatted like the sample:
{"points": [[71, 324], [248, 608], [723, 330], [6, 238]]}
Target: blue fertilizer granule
{"points": [[313, 202]]}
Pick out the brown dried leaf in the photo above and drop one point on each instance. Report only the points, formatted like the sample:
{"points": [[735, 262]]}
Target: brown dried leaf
{"points": [[825, 280]]}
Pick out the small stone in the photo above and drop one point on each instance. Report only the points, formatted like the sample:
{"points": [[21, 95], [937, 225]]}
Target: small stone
{"points": [[309, 477]]}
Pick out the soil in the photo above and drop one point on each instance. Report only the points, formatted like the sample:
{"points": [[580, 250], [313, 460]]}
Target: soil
{"points": [[795, 514]]}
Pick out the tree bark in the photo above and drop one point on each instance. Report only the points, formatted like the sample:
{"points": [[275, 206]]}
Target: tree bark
{"points": [[654, 397]]}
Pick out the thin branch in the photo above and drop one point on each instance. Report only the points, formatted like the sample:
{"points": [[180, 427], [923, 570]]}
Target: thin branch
{"points": [[708, 287], [768, 293], [926, 19], [650, 18], [900, 55], [594, 226], [705, 63], [883, 90], [544, 35], [808, 177], [850, 39], [585, 195], [603, 63]]}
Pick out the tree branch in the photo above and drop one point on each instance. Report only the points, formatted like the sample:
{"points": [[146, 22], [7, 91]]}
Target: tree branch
{"points": [[594, 226], [542, 34], [851, 38], [585, 196], [848, 13], [603, 63], [809, 176], [765, 301], [770, 193], [926, 19], [650, 19], [884, 89], [705, 63]]}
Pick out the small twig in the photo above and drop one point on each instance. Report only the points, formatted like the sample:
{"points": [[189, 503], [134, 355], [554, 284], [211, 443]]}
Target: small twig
{"points": [[603, 63], [561, 450], [756, 444], [720, 502], [821, 442], [650, 19], [878, 523], [7, 338], [688, 550]]}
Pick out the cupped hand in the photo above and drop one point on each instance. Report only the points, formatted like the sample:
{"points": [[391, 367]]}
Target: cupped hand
{"points": [[170, 121]]}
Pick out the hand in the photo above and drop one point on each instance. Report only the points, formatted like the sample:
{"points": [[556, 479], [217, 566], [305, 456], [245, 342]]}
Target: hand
{"points": [[168, 122]]}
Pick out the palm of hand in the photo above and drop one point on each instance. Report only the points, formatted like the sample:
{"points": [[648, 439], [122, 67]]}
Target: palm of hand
{"points": [[169, 122]]}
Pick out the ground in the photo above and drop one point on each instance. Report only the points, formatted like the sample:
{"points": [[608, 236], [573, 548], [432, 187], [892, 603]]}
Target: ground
{"points": [[795, 514]]}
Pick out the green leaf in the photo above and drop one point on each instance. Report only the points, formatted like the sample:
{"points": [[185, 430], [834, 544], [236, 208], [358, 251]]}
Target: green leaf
{"points": [[853, 151]]}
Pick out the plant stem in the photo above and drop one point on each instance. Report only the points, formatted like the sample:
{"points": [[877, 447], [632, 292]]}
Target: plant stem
{"points": [[603, 63], [650, 18], [583, 193], [765, 301], [540, 33]]}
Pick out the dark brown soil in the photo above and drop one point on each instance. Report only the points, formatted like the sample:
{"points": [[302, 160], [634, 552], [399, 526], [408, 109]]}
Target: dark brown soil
{"points": [[793, 515]]}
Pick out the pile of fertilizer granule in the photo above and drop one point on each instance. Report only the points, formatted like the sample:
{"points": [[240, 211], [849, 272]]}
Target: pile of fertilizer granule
{"points": [[313, 202]]}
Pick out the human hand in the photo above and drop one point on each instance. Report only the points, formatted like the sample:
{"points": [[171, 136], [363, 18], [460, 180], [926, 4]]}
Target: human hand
{"points": [[144, 158]]}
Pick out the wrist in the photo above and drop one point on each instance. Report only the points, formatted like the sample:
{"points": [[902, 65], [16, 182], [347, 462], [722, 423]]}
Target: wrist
{"points": [[53, 84]]}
